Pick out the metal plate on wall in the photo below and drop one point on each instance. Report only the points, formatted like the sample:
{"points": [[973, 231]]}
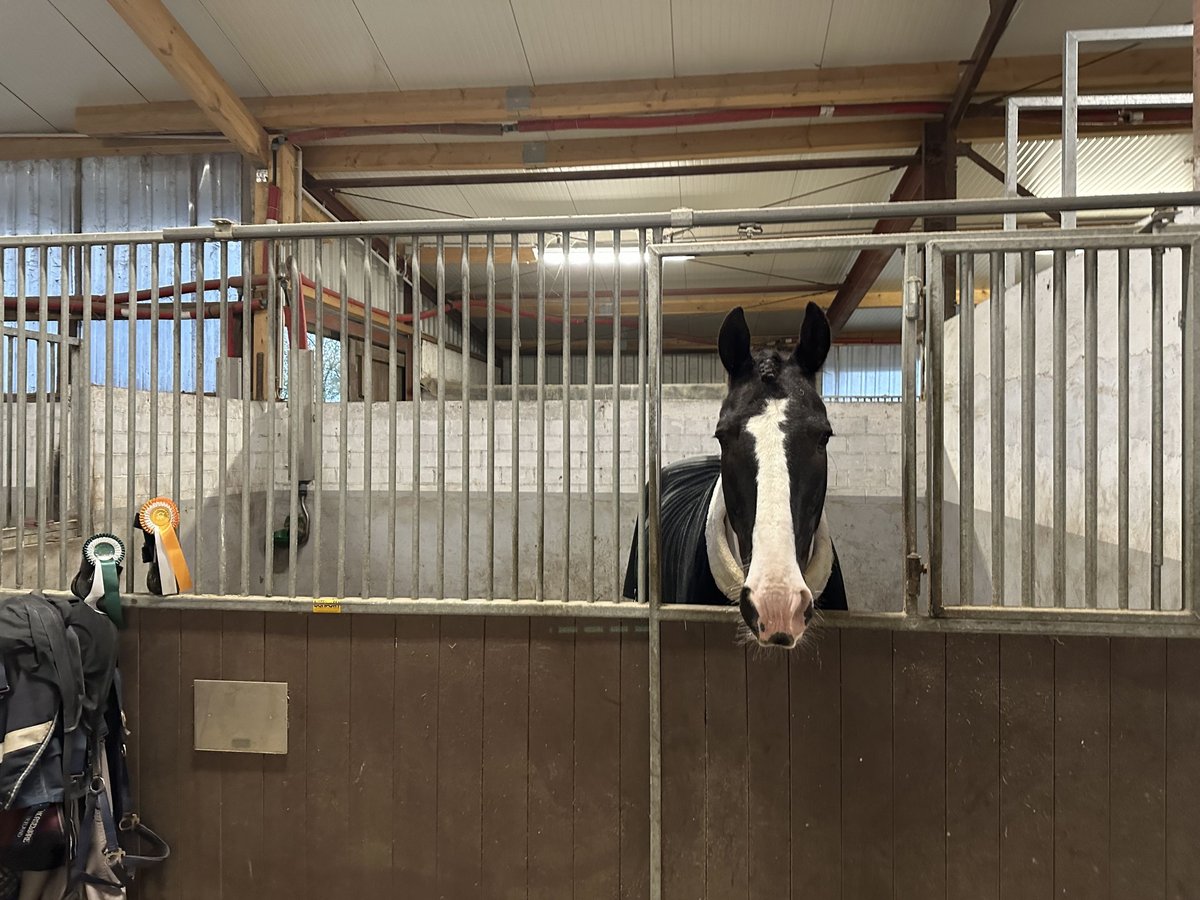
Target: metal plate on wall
{"points": [[241, 716]]}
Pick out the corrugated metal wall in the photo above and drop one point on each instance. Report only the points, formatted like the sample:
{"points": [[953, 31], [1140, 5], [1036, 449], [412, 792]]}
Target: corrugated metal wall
{"points": [[123, 194]]}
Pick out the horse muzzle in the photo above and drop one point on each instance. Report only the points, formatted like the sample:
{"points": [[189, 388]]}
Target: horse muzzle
{"points": [[777, 615]]}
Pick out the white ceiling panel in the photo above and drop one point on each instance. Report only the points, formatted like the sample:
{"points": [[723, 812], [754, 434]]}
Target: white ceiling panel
{"points": [[714, 36], [447, 44], [548, 199], [1038, 27], [305, 47], [581, 40], [35, 40], [16, 117], [868, 32], [423, 202], [626, 195]]}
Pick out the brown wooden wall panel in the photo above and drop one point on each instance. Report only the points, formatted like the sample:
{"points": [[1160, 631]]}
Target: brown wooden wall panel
{"points": [[683, 770], [198, 775], [815, 683], [769, 772], [242, 826], [596, 828], [414, 786], [1026, 768], [867, 858], [635, 762], [1081, 767], [725, 789], [285, 778], [326, 852], [973, 767], [505, 833], [460, 757], [551, 757], [372, 724], [919, 764], [507, 758], [1183, 769], [1138, 768]]}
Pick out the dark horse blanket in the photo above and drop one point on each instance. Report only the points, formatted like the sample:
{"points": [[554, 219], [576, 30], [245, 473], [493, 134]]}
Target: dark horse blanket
{"points": [[686, 494]]}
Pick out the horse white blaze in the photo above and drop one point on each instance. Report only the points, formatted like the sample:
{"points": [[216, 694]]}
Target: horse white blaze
{"points": [[776, 584]]}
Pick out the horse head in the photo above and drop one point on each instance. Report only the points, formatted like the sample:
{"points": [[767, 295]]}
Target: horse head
{"points": [[773, 431]]}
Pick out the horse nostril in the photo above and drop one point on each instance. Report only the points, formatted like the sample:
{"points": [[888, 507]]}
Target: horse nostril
{"points": [[749, 613], [783, 640], [808, 613]]}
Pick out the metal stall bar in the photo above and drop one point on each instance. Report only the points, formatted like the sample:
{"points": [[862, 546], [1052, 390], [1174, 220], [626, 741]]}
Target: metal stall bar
{"points": [[1191, 417], [908, 410], [935, 413], [368, 411], [540, 468], [441, 417], [318, 472], [10, 388], [966, 429], [1028, 428], [515, 379], [247, 350], [1060, 428], [1123, 362], [296, 406], [1156, 427], [1071, 101], [395, 306], [66, 405], [131, 505], [565, 358], [615, 584], [643, 397], [591, 411], [177, 363], [465, 293], [198, 370], [223, 372], [999, 481], [1090, 448], [418, 339], [344, 420], [271, 396], [653, 594], [490, 266], [109, 316], [41, 455]]}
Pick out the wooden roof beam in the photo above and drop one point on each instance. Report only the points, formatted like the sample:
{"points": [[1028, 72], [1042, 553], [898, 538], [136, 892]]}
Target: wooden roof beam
{"points": [[1137, 69], [151, 21]]}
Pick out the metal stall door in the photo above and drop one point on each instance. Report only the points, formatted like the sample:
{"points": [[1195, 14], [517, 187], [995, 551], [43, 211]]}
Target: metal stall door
{"points": [[1060, 421]]}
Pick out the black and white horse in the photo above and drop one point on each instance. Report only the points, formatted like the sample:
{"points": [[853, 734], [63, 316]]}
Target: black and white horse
{"points": [[748, 526]]}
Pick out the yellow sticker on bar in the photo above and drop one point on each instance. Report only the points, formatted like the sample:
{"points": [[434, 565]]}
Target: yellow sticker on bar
{"points": [[326, 606]]}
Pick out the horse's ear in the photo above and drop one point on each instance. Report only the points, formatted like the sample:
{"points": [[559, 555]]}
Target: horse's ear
{"points": [[733, 343], [815, 338]]}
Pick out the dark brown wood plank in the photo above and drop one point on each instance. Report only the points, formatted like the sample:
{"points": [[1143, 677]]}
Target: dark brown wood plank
{"points": [[157, 732], [328, 752], [242, 659], [414, 790], [1138, 775], [1081, 767], [815, 673], [551, 757], [597, 813], [726, 773], [867, 862], [919, 754], [1026, 767], [285, 778], [635, 762], [683, 761], [199, 773], [460, 756], [973, 766], [372, 692], [506, 757], [1183, 768], [767, 702]]}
